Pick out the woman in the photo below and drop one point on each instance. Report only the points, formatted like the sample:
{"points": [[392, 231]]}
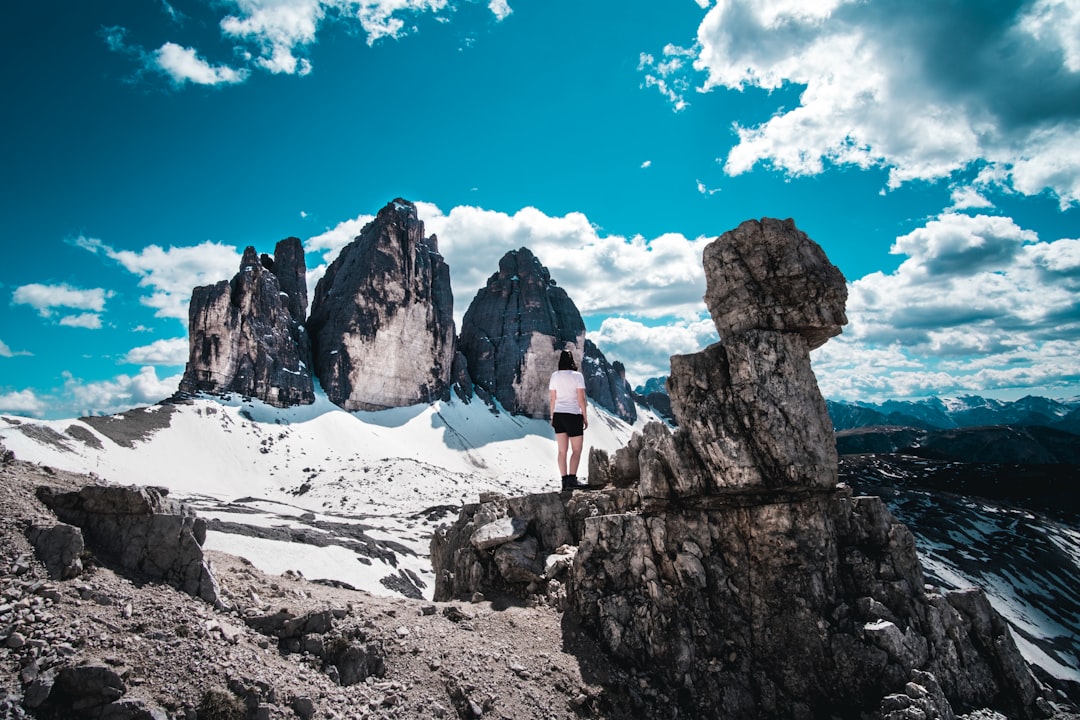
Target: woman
{"points": [[569, 416]]}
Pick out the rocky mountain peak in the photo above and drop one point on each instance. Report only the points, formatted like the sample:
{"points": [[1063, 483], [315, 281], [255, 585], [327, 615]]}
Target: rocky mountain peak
{"points": [[247, 336], [381, 322], [513, 331]]}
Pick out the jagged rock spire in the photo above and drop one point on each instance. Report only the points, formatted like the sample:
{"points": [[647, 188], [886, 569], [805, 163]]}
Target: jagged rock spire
{"points": [[247, 336], [382, 319], [513, 331]]}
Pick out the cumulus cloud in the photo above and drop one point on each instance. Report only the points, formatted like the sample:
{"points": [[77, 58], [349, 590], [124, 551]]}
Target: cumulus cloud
{"points": [[980, 304], [171, 274], [329, 244], [646, 350], [47, 299], [22, 402], [183, 65], [81, 398], [603, 274], [922, 94], [169, 351]]}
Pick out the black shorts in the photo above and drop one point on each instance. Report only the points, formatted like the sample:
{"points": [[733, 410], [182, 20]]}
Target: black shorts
{"points": [[573, 424]]}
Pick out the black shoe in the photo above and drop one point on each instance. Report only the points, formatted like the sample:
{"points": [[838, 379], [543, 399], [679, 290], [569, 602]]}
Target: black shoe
{"points": [[571, 482]]}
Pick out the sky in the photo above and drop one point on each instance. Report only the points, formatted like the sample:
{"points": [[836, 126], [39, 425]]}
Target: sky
{"points": [[931, 149]]}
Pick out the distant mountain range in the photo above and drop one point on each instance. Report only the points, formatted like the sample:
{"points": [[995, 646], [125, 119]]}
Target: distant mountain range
{"points": [[962, 412]]}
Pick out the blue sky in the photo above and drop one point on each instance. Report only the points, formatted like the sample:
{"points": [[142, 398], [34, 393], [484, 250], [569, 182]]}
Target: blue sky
{"points": [[933, 150]]}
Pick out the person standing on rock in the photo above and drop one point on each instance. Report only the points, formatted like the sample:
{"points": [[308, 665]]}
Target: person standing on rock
{"points": [[569, 416]]}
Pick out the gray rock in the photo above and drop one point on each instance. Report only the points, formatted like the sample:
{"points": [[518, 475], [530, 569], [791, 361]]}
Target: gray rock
{"points": [[513, 331], [498, 531], [59, 547], [768, 275], [382, 319], [605, 384], [247, 336], [142, 530]]}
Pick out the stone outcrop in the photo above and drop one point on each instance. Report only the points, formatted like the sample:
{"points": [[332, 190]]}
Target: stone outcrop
{"points": [[514, 330], [142, 530], [382, 319], [248, 337], [722, 562], [769, 275], [59, 547], [605, 384]]}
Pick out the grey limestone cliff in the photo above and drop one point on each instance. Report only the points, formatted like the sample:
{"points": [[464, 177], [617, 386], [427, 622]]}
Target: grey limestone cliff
{"points": [[382, 318], [247, 335]]}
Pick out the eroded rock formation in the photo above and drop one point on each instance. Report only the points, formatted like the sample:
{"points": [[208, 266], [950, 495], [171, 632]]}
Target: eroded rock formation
{"points": [[247, 336], [605, 384], [142, 530], [723, 563], [513, 331], [382, 319]]}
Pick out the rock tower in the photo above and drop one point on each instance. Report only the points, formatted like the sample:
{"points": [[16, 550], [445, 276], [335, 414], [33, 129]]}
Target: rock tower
{"points": [[382, 319]]}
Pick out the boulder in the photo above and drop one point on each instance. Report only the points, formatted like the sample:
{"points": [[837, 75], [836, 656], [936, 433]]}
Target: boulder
{"points": [[382, 319], [59, 547], [142, 530], [769, 275]]}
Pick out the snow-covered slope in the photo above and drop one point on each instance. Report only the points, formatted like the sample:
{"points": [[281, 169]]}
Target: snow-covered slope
{"points": [[350, 497]]}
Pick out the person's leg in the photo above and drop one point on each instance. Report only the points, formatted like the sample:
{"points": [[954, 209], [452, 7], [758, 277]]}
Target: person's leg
{"points": [[575, 453], [562, 440]]}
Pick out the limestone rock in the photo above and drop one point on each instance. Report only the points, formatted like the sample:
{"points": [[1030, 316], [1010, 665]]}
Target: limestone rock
{"points": [[751, 409], [142, 530], [247, 336], [514, 330], [382, 319], [605, 384], [769, 275], [59, 547]]}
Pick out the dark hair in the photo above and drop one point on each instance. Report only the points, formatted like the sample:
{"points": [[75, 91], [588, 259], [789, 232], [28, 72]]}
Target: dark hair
{"points": [[566, 361]]}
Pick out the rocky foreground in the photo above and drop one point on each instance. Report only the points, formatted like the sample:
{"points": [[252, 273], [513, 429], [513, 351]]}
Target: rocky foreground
{"points": [[112, 643]]}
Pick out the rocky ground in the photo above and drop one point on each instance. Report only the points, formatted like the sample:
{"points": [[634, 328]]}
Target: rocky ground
{"points": [[172, 655]]}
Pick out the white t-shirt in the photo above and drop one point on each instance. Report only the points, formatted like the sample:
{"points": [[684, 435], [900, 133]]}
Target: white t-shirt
{"points": [[566, 383]]}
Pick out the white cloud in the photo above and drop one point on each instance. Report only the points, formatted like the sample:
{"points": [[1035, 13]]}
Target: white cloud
{"points": [[116, 395], [275, 35], [171, 273], [5, 351], [603, 274], [968, 198], [90, 321], [980, 304], [646, 350], [922, 94], [169, 351], [22, 402], [46, 299], [184, 65], [500, 8], [646, 164]]}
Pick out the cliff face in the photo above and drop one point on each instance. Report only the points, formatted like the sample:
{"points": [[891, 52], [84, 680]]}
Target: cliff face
{"points": [[247, 336], [382, 319], [514, 330], [606, 383], [722, 562]]}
